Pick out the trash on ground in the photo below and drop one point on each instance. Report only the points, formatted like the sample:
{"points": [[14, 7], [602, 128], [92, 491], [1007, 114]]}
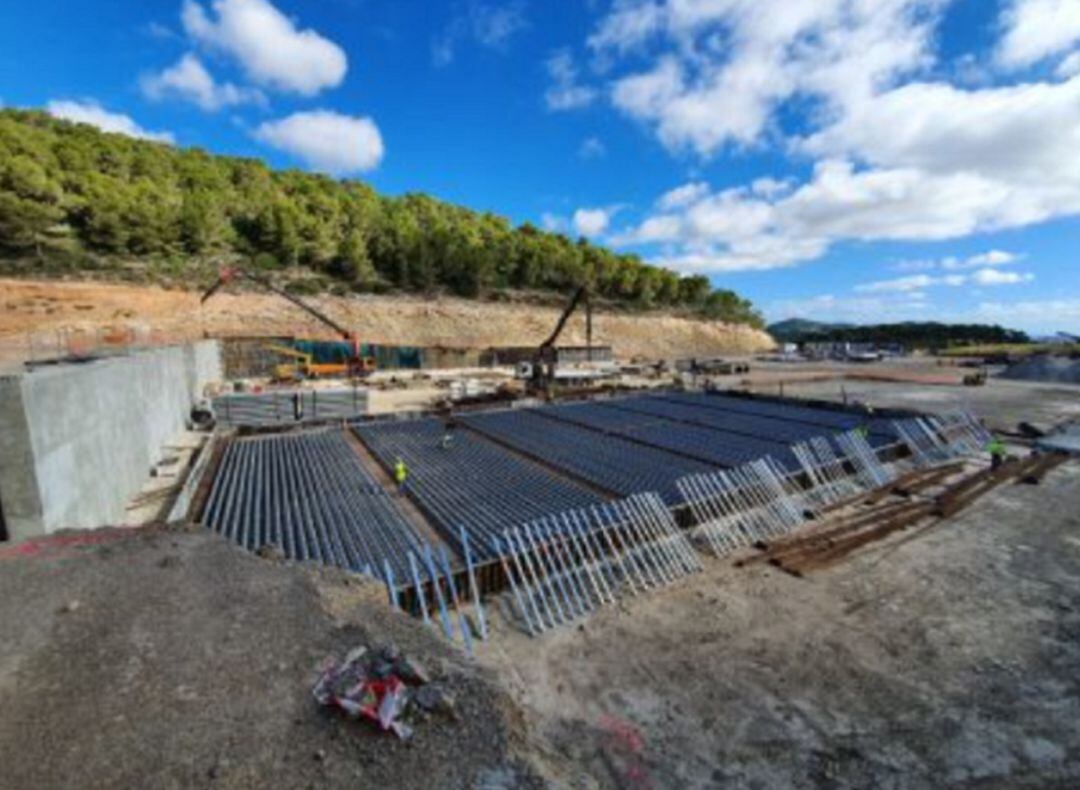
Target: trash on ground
{"points": [[381, 685]]}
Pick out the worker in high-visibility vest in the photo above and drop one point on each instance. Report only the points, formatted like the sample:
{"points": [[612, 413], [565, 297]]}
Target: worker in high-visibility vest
{"points": [[996, 448], [401, 474], [863, 430]]}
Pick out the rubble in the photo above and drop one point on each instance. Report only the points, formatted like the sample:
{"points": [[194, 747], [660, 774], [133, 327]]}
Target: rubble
{"points": [[382, 685]]}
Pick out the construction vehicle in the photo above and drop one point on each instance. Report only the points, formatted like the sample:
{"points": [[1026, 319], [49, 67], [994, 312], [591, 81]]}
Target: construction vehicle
{"points": [[357, 366], [976, 379], [306, 368], [544, 370]]}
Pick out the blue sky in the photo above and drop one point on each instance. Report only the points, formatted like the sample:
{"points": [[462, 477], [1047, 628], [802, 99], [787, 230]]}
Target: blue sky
{"points": [[866, 160]]}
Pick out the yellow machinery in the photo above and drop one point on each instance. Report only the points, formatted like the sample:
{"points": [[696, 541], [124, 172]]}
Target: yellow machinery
{"points": [[357, 365], [304, 368]]}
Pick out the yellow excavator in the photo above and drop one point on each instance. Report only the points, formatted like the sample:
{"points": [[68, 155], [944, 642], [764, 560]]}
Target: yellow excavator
{"points": [[358, 366], [305, 368]]}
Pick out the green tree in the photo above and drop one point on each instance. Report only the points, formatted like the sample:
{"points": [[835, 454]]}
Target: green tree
{"points": [[66, 187]]}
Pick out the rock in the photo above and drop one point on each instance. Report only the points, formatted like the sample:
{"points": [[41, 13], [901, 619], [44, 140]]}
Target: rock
{"points": [[389, 652], [320, 755], [169, 561], [411, 671], [270, 551], [433, 698], [70, 606], [1044, 755], [381, 668]]}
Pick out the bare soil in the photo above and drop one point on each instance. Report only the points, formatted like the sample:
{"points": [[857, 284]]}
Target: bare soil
{"points": [[42, 307], [149, 658], [945, 657]]}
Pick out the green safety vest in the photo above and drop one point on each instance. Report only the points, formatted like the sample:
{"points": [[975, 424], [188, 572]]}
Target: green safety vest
{"points": [[400, 472]]}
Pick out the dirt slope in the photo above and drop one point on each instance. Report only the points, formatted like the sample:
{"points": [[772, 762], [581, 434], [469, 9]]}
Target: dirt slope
{"points": [[154, 659], [43, 307]]}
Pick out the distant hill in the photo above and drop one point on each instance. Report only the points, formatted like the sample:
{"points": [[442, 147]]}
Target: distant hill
{"points": [[75, 200], [794, 329], [913, 334]]}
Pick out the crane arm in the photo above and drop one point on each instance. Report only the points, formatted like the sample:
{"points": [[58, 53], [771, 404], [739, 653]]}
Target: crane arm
{"points": [[582, 293], [228, 275]]}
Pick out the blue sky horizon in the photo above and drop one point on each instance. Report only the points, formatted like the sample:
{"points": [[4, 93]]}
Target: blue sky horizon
{"points": [[839, 160]]}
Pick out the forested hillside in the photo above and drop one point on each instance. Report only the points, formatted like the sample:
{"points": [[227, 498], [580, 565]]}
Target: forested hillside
{"points": [[75, 198], [913, 334]]}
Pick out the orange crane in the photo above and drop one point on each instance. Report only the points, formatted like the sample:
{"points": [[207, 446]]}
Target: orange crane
{"points": [[357, 366]]}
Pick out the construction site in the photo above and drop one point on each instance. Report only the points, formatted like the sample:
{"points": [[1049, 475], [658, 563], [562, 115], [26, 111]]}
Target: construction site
{"points": [[615, 572]]}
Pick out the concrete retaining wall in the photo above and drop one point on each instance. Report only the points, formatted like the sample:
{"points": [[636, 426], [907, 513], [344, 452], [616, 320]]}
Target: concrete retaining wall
{"points": [[78, 441]]}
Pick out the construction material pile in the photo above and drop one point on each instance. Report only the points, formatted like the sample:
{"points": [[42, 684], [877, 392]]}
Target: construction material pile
{"points": [[1044, 367], [877, 516]]}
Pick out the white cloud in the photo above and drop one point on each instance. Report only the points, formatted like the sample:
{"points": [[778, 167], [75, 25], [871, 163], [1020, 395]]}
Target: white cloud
{"points": [[920, 162], [489, 25], [494, 25], [1037, 29], [593, 221], [1018, 133], [1069, 67], [920, 282], [856, 309], [629, 23], [757, 253], [592, 148], [565, 93], [1042, 315], [771, 187], [953, 263], [991, 258], [893, 157], [268, 45], [91, 112], [682, 196], [915, 282], [726, 65], [189, 80], [554, 222], [915, 265], [997, 277], [337, 144]]}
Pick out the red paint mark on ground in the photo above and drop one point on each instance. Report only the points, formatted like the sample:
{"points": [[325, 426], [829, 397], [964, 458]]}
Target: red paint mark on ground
{"points": [[51, 545], [626, 748]]}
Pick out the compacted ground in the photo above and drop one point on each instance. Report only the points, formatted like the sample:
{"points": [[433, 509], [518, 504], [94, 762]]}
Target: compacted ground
{"points": [[949, 656], [946, 657]]}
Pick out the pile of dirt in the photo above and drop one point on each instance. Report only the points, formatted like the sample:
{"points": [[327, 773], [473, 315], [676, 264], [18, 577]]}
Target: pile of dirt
{"points": [[1044, 367], [146, 658], [45, 307]]}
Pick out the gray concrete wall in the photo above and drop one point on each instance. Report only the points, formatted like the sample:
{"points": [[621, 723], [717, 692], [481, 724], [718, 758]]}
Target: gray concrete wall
{"points": [[19, 495], [89, 433]]}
